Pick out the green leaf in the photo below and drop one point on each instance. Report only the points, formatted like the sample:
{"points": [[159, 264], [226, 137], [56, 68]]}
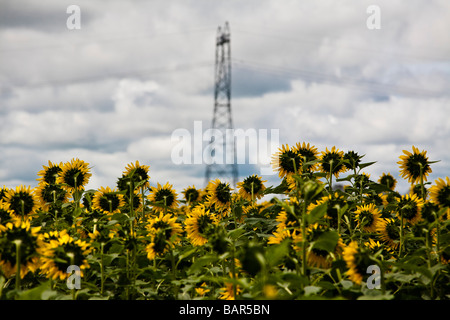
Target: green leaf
{"points": [[326, 241], [37, 293], [364, 165], [276, 253], [201, 262], [236, 233], [310, 290], [317, 213]]}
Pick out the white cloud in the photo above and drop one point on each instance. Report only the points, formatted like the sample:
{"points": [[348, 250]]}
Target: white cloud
{"points": [[114, 91]]}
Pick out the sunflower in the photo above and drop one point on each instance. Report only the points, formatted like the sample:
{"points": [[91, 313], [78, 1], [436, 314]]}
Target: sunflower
{"points": [[287, 161], [445, 256], [287, 220], [413, 165], [334, 203], [252, 188], [50, 173], [74, 175], [107, 201], [51, 193], [219, 194], [389, 232], [379, 199], [164, 232], [307, 154], [202, 289], [252, 210], [367, 217], [410, 207], [6, 214], [23, 201], [316, 257], [281, 234], [377, 246], [440, 193], [357, 260], [351, 160], [61, 252], [331, 161], [134, 174], [227, 292], [362, 180], [388, 180], [200, 224], [163, 197], [191, 195], [429, 211], [19, 233], [3, 192]]}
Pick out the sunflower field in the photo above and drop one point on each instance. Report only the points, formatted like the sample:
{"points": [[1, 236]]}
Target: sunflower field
{"points": [[327, 231]]}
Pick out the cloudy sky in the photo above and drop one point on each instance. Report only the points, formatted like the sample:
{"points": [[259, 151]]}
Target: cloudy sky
{"points": [[114, 91]]}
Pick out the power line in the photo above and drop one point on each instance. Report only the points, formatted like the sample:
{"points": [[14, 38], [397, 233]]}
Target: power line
{"points": [[86, 39], [318, 41], [360, 84], [123, 74]]}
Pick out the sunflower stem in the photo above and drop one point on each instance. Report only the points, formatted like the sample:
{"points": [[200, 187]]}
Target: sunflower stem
{"points": [[422, 187], [304, 240], [102, 273], [330, 182], [233, 253], [143, 202], [18, 243], [72, 262], [253, 196], [127, 287], [174, 273], [401, 233]]}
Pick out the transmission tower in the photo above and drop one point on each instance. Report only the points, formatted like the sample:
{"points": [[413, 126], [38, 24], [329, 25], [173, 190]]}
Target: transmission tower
{"points": [[226, 167]]}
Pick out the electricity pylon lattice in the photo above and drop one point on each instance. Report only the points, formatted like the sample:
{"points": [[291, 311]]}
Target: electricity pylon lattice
{"points": [[225, 166]]}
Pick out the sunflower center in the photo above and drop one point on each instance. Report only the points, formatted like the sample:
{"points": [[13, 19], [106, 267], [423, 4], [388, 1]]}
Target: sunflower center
{"points": [[444, 196], [28, 246], [51, 174], [74, 177], [67, 255], [165, 196], [139, 174], [109, 202], [22, 203], [387, 181], [290, 161], [366, 218], [163, 227], [320, 252], [223, 192], [52, 192], [191, 194], [331, 162], [252, 183], [414, 164], [409, 210], [159, 242], [353, 159], [392, 231], [204, 224]]}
